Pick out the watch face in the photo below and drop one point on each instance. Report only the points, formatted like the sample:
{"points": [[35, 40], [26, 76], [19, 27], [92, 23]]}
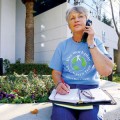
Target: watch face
{"points": [[92, 46]]}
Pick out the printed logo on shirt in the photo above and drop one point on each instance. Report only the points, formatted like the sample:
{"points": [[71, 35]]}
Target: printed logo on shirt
{"points": [[79, 63]]}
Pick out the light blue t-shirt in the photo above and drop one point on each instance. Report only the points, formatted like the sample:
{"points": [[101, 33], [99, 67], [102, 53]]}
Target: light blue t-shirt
{"points": [[75, 62]]}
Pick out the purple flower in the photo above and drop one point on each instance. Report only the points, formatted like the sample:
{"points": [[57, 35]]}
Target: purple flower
{"points": [[4, 94], [10, 96], [1, 96], [7, 95], [32, 96]]}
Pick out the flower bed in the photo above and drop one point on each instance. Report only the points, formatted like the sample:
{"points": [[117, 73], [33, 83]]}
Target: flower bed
{"points": [[29, 88]]}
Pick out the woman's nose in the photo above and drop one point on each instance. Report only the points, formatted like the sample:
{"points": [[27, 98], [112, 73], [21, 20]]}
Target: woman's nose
{"points": [[77, 19]]}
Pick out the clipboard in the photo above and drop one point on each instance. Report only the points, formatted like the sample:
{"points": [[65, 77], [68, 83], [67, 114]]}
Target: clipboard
{"points": [[110, 101]]}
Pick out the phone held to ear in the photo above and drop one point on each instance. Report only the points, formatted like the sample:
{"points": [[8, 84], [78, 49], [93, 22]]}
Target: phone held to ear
{"points": [[85, 35]]}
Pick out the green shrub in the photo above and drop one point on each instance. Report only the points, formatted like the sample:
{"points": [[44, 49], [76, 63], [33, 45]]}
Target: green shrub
{"points": [[22, 68], [116, 78]]}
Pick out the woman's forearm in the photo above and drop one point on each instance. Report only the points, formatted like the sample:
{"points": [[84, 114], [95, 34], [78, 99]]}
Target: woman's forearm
{"points": [[102, 63], [56, 75]]}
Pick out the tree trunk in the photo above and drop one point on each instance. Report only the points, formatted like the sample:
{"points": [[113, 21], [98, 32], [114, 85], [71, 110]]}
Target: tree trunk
{"points": [[29, 29], [118, 56]]}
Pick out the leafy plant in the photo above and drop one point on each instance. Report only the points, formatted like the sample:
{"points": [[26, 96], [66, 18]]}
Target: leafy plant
{"points": [[6, 64], [116, 78], [25, 88], [18, 61]]}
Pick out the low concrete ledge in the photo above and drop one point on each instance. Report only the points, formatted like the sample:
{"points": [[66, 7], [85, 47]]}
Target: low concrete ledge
{"points": [[23, 111]]}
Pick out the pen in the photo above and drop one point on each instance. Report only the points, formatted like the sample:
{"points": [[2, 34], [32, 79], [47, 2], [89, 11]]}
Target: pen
{"points": [[64, 84]]}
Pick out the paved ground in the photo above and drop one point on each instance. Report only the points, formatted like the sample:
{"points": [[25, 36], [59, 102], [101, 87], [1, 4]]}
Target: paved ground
{"points": [[23, 111], [112, 111]]}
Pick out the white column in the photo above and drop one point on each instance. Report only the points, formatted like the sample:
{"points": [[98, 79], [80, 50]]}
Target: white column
{"points": [[20, 31], [7, 29], [0, 28]]}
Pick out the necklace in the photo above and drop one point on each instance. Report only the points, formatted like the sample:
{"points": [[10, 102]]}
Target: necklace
{"points": [[77, 41]]}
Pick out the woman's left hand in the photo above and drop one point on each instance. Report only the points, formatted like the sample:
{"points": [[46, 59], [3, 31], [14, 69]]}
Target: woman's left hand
{"points": [[91, 33]]}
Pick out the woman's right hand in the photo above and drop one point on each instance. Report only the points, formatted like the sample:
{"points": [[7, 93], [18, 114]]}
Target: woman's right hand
{"points": [[63, 88]]}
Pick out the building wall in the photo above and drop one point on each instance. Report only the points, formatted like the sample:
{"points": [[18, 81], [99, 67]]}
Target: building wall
{"points": [[51, 28], [110, 36], [7, 29]]}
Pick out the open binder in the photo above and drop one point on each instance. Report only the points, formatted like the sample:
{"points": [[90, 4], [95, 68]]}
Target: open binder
{"points": [[83, 97]]}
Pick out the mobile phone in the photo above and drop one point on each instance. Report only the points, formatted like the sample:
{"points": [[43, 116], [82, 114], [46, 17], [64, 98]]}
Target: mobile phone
{"points": [[85, 35]]}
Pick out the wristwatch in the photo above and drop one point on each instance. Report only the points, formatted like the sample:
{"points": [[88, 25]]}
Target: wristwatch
{"points": [[91, 46]]}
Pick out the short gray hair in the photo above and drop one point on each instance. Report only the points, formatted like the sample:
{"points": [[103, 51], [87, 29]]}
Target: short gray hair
{"points": [[78, 9]]}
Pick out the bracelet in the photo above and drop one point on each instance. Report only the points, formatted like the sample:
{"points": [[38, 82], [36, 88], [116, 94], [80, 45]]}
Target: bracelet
{"points": [[58, 83]]}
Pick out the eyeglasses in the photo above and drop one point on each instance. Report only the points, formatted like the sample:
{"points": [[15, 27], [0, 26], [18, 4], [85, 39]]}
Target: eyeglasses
{"points": [[87, 94]]}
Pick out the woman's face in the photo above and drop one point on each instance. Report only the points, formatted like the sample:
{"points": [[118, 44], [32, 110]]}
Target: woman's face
{"points": [[77, 22]]}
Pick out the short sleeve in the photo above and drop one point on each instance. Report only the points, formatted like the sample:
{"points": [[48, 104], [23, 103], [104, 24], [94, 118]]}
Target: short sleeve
{"points": [[56, 61], [101, 47]]}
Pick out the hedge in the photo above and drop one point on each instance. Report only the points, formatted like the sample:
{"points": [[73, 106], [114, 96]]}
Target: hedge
{"points": [[22, 68]]}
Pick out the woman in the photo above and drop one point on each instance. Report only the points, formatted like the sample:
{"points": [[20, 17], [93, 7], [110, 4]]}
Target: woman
{"points": [[78, 64]]}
